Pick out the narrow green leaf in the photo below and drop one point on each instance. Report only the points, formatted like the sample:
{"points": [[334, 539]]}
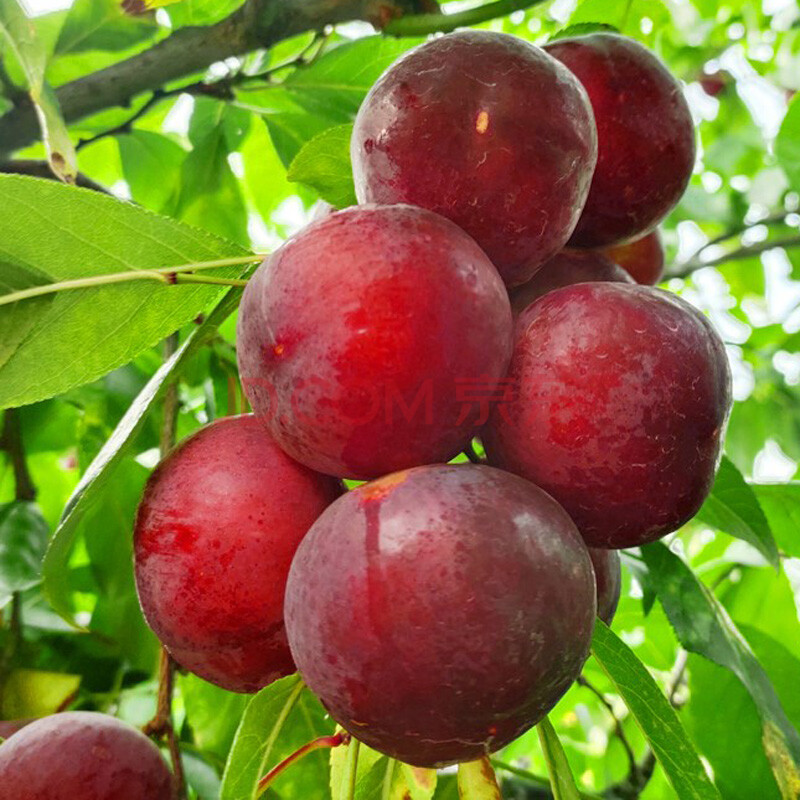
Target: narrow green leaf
{"points": [[54, 567], [23, 539], [70, 233], [561, 780], [23, 41], [704, 627], [477, 781], [255, 742], [733, 508], [787, 144], [324, 165], [781, 504], [654, 715]]}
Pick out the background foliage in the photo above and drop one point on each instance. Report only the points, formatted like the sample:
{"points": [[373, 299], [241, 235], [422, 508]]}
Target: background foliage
{"points": [[705, 656]]}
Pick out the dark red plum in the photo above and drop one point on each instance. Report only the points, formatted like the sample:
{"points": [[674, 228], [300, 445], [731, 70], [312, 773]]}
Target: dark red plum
{"points": [[215, 533], [488, 131], [642, 259], [608, 575], [82, 755], [622, 394], [564, 269], [646, 143], [359, 339], [439, 613]]}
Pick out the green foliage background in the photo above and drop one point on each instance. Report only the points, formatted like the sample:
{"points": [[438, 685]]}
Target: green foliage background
{"points": [[85, 373]]}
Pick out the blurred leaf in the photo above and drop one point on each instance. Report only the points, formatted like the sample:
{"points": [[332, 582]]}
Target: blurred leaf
{"points": [[23, 539], [781, 504], [704, 627], [324, 165], [145, 154], [624, 15], [20, 34], [732, 508], [201, 12], [336, 83], [18, 318], [114, 450], [477, 781], [720, 704], [200, 775], [76, 233], [787, 144], [213, 713], [561, 780], [654, 715], [102, 25], [291, 131], [32, 693], [582, 29], [277, 721]]}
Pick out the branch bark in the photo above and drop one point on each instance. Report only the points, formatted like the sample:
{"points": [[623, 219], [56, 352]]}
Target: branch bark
{"points": [[190, 50]]}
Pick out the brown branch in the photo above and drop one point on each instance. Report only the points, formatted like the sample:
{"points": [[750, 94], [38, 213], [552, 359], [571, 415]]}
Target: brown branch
{"points": [[191, 50], [740, 253], [11, 442], [41, 169]]}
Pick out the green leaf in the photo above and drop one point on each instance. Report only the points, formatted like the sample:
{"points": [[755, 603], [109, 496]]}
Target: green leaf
{"points": [[781, 504], [704, 627], [17, 319], [23, 41], [102, 25], [720, 704], [71, 233], [337, 82], [477, 781], [145, 154], [581, 29], [324, 165], [291, 131], [212, 713], [561, 780], [33, 693], [624, 15], [368, 779], [787, 144], [654, 715], [277, 721], [23, 539], [96, 477], [732, 508]]}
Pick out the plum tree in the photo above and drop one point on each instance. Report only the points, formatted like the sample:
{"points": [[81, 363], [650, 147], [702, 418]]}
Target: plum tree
{"points": [[376, 386], [608, 576], [646, 146], [488, 131], [215, 533], [82, 755], [642, 259], [563, 269], [622, 397], [440, 612]]}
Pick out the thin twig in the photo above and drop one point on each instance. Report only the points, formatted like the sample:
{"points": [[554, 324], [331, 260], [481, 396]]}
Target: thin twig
{"points": [[618, 730], [11, 442], [37, 168], [316, 744], [423, 24], [740, 253]]}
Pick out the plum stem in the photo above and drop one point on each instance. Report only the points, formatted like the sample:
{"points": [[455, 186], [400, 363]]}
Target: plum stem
{"points": [[315, 744], [167, 275], [423, 24]]}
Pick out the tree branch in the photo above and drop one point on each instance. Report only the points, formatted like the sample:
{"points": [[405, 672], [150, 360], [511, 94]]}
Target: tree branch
{"points": [[738, 254], [422, 24], [191, 50], [11, 442], [41, 169]]}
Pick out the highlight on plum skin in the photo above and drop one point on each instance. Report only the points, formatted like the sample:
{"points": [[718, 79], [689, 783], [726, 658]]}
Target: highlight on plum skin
{"points": [[440, 612], [215, 533], [361, 339], [622, 398], [82, 755], [487, 130], [646, 139], [563, 269], [642, 259]]}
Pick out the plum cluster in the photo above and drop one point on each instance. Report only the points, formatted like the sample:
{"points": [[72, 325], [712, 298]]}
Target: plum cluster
{"points": [[493, 282]]}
